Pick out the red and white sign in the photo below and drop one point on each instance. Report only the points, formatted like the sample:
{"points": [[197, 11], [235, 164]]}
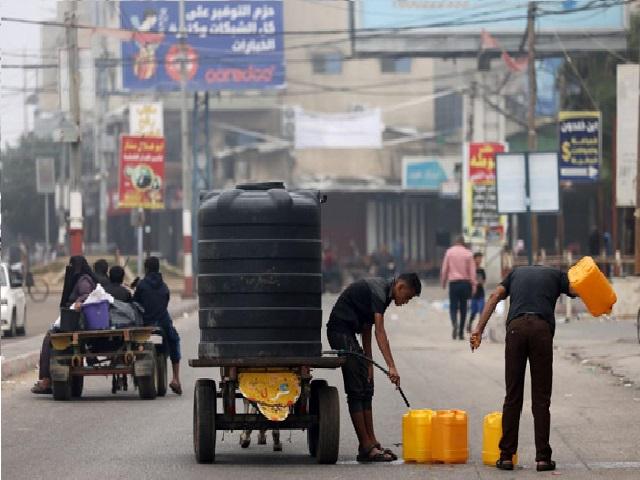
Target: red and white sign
{"points": [[482, 161], [141, 178]]}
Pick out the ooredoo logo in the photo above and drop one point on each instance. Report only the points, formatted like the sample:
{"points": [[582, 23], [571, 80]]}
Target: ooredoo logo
{"points": [[249, 74], [175, 56]]}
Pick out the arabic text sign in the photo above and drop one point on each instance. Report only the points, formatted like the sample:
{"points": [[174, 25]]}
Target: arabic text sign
{"points": [[482, 161], [627, 135], [141, 178], [230, 45], [146, 119], [425, 173], [579, 134]]}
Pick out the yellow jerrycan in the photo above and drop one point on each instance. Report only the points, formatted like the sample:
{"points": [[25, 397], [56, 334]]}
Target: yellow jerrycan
{"points": [[450, 436], [491, 435], [593, 287], [416, 436]]}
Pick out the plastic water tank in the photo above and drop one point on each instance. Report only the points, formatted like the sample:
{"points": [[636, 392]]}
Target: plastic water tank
{"points": [[259, 279]]}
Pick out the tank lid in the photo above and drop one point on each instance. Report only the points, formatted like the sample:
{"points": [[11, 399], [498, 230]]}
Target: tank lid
{"points": [[260, 186]]}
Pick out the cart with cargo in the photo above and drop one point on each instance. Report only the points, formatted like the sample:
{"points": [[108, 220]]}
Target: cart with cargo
{"points": [[136, 352], [260, 313]]}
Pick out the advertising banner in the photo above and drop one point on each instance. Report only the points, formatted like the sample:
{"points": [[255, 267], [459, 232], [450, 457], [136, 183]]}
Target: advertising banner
{"points": [[338, 130], [145, 118], [230, 45], [141, 177], [580, 151], [481, 209], [45, 175]]}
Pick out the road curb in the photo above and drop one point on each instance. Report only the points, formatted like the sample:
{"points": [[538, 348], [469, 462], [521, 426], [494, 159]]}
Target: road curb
{"points": [[29, 361]]}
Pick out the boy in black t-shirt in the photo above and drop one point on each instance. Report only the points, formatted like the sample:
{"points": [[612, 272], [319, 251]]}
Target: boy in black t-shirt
{"points": [[477, 300], [360, 311]]}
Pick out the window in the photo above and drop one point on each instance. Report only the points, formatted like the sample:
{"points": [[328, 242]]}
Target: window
{"points": [[327, 63], [395, 65]]}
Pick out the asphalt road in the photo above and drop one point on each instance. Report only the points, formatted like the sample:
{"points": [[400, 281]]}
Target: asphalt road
{"points": [[40, 316], [595, 422]]}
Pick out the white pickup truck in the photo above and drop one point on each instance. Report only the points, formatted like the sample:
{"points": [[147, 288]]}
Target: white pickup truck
{"points": [[13, 307]]}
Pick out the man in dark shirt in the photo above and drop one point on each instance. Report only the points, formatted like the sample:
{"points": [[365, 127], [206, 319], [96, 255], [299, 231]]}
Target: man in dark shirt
{"points": [[477, 300], [361, 306], [115, 287], [533, 292], [101, 268]]}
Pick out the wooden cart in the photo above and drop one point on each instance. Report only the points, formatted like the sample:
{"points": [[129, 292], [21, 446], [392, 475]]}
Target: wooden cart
{"points": [[136, 351], [317, 410]]}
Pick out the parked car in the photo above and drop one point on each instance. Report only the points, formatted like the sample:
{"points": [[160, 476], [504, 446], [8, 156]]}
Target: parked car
{"points": [[13, 307]]}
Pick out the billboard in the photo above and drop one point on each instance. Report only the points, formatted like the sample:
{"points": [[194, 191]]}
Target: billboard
{"points": [[475, 15], [428, 173], [45, 175], [230, 45], [440, 28], [580, 152], [141, 176]]}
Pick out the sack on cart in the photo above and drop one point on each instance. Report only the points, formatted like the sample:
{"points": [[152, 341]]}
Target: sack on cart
{"points": [[123, 314]]}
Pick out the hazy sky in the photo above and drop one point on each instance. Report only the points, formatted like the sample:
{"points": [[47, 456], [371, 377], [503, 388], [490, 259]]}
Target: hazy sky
{"points": [[14, 38]]}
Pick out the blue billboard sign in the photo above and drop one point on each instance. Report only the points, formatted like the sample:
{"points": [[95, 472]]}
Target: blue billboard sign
{"points": [[230, 45], [424, 173], [579, 134], [505, 16]]}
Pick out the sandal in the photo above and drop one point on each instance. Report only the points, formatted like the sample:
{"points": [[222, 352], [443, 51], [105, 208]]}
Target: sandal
{"points": [[546, 466], [38, 389], [386, 451], [504, 464], [365, 456], [176, 388]]}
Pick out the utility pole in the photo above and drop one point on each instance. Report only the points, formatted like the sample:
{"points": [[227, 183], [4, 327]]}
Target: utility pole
{"points": [[186, 166], [531, 117], [75, 211], [98, 132]]}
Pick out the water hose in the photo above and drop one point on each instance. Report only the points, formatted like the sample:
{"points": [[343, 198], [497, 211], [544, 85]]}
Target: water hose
{"points": [[342, 353]]}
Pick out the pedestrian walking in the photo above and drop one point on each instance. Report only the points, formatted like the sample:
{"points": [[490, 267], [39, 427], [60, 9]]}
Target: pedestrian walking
{"points": [[361, 306], [533, 292], [459, 271], [477, 300]]}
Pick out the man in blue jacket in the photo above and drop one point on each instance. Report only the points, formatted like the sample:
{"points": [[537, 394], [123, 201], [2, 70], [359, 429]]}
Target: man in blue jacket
{"points": [[153, 294]]}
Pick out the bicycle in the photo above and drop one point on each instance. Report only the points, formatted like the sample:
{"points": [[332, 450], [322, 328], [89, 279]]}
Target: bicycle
{"points": [[38, 290]]}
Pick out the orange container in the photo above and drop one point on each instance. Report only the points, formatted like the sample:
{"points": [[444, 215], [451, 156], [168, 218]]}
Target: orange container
{"points": [[491, 435], [416, 435], [449, 436], [593, 287]]}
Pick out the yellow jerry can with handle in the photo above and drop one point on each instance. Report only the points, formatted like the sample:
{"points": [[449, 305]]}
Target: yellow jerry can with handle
{"points": [[594, 289], [491, 435], [416, 436], [450, 436]]}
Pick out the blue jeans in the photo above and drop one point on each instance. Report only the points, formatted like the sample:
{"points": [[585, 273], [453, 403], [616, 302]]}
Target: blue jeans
{"points": [[477, 305], [171, 337]]}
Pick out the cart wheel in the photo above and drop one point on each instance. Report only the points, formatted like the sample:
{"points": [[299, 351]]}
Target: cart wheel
{"points": [[328, 425], [312, 431], [77, 382], [61, 390], [204, 420], [147, 384], [161, 374]]}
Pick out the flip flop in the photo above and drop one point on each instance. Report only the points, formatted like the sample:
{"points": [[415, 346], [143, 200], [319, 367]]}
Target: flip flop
{"points": [[175, 388], [387, 451], [40, 390], [504, 464], [546, 466], [364, 456]]}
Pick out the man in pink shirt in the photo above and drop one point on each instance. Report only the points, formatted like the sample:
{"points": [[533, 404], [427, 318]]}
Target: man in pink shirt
{"points": [[459, 270]]}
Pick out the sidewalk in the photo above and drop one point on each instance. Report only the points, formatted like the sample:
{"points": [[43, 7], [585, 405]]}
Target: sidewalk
{"points": [[19, 357]]}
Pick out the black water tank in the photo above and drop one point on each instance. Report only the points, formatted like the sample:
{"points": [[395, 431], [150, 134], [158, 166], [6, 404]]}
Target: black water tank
{"points": [[259, 279]]}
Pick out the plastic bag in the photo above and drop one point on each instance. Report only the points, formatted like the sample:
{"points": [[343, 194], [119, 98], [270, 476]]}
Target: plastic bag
{"points": [[98, 295]]}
